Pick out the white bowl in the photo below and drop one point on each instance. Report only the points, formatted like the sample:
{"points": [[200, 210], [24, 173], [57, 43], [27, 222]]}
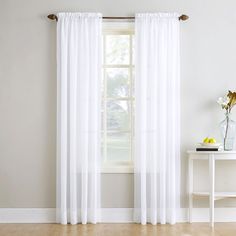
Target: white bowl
{"points": [[210, 144]]}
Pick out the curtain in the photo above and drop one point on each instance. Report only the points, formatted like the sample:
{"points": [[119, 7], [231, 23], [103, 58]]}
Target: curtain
{"points": [[157, 122], [78, 117]]}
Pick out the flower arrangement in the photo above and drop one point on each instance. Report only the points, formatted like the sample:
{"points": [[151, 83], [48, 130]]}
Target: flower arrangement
{"points": [[227, 103]]}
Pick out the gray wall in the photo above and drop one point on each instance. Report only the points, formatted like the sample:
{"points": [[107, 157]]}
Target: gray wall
{"points": [[28, 92]]}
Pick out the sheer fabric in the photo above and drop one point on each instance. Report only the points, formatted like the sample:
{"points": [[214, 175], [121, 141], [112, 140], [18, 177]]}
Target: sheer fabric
{"points": [[78, 127], [157, 122]]}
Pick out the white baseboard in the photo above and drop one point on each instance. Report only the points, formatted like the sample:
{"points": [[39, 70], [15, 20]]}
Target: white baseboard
{"points": [[221, 215], [27, 215], [117, 215], [109, 215]]}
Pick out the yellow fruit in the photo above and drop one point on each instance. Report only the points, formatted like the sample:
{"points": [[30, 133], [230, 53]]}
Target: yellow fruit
{"points": [[206, 140], [212, 140]]}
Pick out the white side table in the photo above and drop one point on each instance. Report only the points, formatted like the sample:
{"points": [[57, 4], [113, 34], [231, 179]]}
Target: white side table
{"points": [[211, 157]]}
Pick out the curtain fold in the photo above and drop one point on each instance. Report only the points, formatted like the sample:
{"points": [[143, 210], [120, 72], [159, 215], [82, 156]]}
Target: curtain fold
{"points": [[157, 122], [78, 117]]}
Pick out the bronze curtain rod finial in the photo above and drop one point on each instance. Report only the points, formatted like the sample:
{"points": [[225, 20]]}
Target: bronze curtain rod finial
{"points": [[52, 17], [183, 17]]}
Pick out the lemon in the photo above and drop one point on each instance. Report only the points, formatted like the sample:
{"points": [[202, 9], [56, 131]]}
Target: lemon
{"points": [[206, 140], [212, 140]]}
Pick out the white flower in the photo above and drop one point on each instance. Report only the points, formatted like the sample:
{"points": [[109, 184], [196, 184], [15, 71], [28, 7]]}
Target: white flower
{"points": [[223, 101]]}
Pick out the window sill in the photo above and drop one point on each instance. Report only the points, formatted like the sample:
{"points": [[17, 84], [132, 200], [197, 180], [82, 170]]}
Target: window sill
{"points": [[117, 170]]}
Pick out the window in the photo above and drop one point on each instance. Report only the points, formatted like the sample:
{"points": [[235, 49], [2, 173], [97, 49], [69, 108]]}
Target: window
{"points": [[118, 99]]}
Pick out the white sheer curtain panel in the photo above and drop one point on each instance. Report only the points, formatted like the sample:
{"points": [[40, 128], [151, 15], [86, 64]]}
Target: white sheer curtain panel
{"points": [[157, 122], [78, 117]]}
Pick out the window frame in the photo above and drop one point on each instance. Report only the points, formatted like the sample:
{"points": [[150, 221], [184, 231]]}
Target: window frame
{"points": [[119, 28]]}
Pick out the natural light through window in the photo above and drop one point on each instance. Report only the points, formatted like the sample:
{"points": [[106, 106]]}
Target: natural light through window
{"points": [[118, 100]]}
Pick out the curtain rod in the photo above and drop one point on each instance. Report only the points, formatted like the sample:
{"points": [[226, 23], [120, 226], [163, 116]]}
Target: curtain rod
{"points": [[54, 17]]}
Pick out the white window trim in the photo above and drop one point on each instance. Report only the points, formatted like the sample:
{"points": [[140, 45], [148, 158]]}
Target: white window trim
{"points": [[118, 167], [115, 26]]}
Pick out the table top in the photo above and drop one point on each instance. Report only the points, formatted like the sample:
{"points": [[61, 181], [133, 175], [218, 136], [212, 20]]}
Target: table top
{"points": [[209, 152], [205, 155]]}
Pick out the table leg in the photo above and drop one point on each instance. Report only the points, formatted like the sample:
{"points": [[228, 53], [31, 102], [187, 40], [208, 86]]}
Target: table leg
{"points": [[212, 187], [190, 187]]}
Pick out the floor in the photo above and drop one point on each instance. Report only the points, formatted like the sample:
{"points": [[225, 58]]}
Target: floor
{"points": [[199, 229]]}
